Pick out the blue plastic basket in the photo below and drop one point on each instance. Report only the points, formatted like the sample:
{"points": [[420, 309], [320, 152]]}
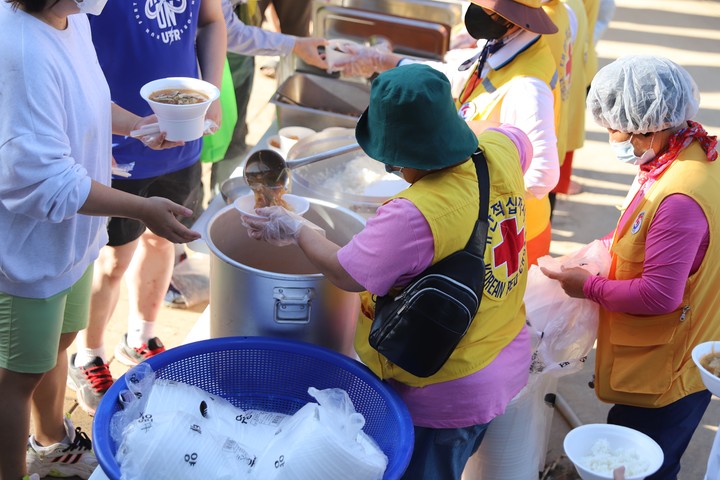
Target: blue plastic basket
{"points": [[271, 374]]}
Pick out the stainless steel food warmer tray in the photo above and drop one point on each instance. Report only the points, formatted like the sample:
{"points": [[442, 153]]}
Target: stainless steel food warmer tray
{"points": [[409, 36], [319, 102]]}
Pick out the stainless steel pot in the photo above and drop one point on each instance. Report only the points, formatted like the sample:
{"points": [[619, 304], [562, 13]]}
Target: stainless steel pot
{"points": [[260, 289]]}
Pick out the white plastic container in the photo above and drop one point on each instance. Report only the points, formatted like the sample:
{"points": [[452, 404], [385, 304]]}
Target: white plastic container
{"points": [[289, 136]]}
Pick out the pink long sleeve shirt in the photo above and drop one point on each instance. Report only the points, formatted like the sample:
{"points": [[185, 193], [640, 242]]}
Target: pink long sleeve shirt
{"points": [[676, 244]]}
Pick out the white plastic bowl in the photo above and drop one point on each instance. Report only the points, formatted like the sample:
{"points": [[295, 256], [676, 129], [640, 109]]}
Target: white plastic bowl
{"points": [[181, 122], [579, 442], [711, 381], [289, 136]]}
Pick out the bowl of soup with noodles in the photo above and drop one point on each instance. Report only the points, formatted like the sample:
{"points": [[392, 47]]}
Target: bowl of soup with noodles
{"points": [[180, 104]]}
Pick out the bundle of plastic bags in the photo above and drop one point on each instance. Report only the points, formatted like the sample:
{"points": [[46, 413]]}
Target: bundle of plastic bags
{"points": [[322, 441], [170, 429], [563, 328]]}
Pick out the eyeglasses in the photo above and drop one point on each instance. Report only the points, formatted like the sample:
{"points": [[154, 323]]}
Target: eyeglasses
{"points": [[391, 169]]}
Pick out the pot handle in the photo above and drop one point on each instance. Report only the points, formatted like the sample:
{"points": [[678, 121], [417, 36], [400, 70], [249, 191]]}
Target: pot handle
{"points": [[292, 305]]}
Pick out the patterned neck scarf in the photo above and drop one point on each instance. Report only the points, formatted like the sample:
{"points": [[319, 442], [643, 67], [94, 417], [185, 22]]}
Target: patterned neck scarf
{"points": [[490, 47], [679, 142]]}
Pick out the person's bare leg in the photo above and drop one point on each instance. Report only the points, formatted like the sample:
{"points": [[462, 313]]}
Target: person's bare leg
{"points": [[107, 277], [16, 391], [48, 399], [148, 276]]}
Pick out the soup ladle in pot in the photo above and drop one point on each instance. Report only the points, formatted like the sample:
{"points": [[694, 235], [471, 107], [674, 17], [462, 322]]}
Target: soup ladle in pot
{"points": [[267, 168]]}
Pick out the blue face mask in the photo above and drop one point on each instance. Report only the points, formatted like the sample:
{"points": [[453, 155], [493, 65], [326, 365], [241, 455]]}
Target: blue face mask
{"points": [[390, 169], [625, 152]]}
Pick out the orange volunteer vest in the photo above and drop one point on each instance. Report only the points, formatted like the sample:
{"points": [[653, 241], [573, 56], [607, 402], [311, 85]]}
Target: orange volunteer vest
{"points": [[645, 361]]}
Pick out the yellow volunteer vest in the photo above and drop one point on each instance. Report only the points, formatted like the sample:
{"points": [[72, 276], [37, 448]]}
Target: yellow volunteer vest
{"points": [[592, 8], [485, 102], [645, 361], [449, 202], [249, 13], [578, 58], [560, 44]]}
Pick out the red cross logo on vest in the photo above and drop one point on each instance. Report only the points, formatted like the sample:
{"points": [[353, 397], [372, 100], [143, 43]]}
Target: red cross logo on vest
{"points": [[509, 250]]}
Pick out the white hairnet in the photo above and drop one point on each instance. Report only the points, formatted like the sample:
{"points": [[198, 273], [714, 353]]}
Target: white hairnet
{"points": [[641, 94]]}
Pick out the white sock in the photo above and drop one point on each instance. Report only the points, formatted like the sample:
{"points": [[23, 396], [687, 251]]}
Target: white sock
{"points": [[87, 355], [139, 332]]}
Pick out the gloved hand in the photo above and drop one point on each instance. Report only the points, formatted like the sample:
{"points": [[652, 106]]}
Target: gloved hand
{"points": [[362, 61], [277, 226]]}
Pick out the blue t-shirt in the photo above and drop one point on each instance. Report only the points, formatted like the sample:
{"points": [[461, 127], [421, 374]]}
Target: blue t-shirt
{"points": [[137, 42]]}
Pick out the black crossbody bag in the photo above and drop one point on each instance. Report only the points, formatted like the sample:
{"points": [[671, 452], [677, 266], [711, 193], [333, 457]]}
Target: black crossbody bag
{"points": [[418, 329]]}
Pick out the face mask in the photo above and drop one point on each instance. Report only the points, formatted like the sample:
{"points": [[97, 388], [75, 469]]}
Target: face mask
{"points": [[91, 7], [481, 25], [625, 152], [390, 169]]}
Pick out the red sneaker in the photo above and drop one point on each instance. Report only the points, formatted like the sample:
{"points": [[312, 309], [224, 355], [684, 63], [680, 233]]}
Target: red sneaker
{"points": [[131, 356]]}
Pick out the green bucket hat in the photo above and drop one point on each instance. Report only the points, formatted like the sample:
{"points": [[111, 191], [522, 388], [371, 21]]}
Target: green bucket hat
{"points": [[412, 121]]}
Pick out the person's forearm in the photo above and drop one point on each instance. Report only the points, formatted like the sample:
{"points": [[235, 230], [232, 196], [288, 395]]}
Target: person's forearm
{"points": [[123, 121], [672, 245], [322, 253], [212, 42], [245, 39], [160, 215], [389, 60], [106, 201], [211, 56]]}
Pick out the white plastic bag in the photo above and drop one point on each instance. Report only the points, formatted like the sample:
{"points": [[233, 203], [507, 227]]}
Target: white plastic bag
{"points": [[322, 442], [515, 443], [191, 278], [169, 429], [564, 329], [181, 446], [140, 380]]}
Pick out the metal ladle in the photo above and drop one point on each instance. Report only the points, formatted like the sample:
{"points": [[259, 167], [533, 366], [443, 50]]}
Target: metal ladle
{"points": [[267, 168]]}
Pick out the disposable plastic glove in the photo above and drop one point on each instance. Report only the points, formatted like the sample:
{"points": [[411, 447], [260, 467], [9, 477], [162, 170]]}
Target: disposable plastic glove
{"points": [[362, 61], [277, 226]]}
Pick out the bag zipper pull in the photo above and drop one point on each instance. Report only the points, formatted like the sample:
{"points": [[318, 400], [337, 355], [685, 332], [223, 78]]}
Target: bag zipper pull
{"points": [[684, 312]]}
